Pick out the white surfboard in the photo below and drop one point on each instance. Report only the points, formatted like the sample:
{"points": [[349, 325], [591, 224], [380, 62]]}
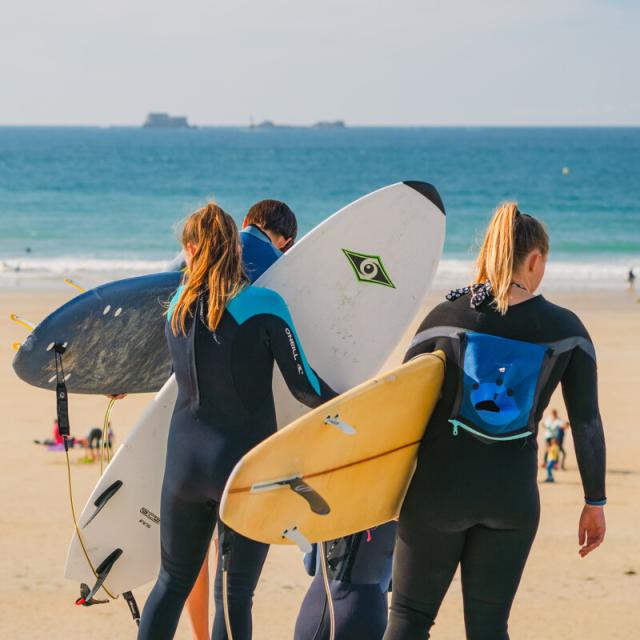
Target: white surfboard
{"points": [[353, 285]]}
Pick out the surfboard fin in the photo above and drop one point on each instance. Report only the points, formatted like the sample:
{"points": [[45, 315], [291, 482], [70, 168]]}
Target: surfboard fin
{"points": [[103, 498], [316, 502], [22, 322], [73, 284], [343, 426], [296, 536], [102, 572]]}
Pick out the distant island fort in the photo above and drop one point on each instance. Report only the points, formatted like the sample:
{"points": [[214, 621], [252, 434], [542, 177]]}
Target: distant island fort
{"points": [[161, 120], [165, 121]]}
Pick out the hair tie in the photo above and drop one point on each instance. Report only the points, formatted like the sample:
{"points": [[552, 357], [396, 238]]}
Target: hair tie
{"points": [[479, 293]]}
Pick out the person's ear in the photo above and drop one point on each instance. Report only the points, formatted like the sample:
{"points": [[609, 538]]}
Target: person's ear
{"points": [[534, 257], [284, 243], [190, 249]]}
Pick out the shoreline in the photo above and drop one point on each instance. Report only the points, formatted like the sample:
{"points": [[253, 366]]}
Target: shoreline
{"points": [[561, 276]]}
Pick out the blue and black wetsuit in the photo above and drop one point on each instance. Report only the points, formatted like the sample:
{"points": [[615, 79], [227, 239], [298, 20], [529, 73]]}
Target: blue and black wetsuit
{"points": [[258, 252], [475, 504], [360, 573], [224, 408]]}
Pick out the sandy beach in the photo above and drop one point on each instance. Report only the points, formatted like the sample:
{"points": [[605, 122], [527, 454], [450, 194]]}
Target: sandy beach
{"points": [[560, 595]]}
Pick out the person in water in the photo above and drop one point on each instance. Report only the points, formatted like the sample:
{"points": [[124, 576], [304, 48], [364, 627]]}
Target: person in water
{"points": [[269, 229], [474, 504], [224, 336], [360, 576]]}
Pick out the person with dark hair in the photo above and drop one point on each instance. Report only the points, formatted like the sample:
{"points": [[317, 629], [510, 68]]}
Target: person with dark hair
{"points": [[269, 229], [473, 501]]}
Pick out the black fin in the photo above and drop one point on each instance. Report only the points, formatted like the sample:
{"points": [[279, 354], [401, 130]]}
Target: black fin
{"points": [[103, 571], [103, 498], [316, 502]]}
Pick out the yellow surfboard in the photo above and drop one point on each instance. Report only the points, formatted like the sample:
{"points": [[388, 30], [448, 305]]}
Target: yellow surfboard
{"points": [[341, 468]]}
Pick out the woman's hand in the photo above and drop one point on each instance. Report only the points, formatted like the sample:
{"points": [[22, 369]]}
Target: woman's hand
{"points": [[591, 529]]}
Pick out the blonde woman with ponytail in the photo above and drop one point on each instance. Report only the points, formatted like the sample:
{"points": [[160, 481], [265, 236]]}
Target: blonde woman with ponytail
{"points": [[224, 336], [473, 502]]}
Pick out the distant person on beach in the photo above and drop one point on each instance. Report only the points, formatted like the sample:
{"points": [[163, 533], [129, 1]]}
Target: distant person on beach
{"points": [[221, 412], [56, 438], [552, 423], [94, 441], [631, 279], [560, 434], [553, 454], [474, 499]]}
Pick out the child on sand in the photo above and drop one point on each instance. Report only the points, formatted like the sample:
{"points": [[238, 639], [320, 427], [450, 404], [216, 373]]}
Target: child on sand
{"points": [[551, 423], [553, 455]]}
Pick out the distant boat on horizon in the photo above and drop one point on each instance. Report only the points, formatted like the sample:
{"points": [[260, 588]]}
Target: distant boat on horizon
{"points": [[160, 120]]}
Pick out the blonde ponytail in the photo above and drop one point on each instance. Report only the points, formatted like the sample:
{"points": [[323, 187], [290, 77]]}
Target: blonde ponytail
{"points": [[510, 237], [216, 266]]}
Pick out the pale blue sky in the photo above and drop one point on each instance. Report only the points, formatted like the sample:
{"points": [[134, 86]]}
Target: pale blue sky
{"points": [[398, 62]]}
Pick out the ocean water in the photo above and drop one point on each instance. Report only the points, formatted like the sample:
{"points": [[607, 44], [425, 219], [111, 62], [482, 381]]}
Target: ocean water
{"points": [[99, 203]]}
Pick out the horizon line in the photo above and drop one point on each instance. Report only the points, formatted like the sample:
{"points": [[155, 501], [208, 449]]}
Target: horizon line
{"points": [[285, 125]]}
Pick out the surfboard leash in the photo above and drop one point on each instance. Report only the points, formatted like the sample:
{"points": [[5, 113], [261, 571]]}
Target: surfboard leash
{"points": [[87, 595], [105, 434], [64, 428], [324, 564]]}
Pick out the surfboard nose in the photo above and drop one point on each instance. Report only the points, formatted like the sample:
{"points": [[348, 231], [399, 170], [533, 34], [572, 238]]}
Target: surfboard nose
{"points": [[428, 191]]}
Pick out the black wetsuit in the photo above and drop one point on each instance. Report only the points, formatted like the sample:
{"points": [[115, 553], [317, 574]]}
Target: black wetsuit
{"points": [[476, 504], [224, 408], [360, 573]]}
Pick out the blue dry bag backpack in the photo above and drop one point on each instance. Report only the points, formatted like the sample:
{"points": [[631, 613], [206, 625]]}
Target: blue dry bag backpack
{"points": [[500, 380]]}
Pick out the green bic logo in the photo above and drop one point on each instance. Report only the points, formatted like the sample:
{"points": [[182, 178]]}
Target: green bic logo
{"points": [[368, 268]]}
